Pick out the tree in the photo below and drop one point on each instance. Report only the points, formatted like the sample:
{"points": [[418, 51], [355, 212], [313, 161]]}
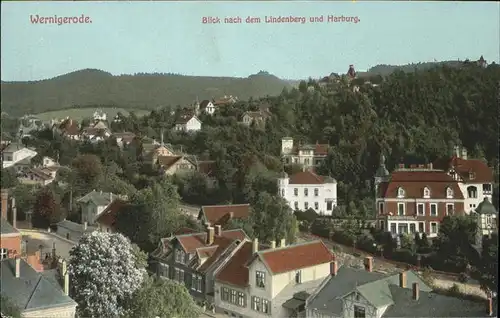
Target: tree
{"points": [[9, 308], [488, 265], [162, 298], [46, 209], [104, 274], [88, 172], [9, 178]]}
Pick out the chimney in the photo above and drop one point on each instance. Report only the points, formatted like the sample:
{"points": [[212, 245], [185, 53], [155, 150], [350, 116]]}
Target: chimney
{"points": [[303, 168], [489, 309], [14, 216], [231, 215], [283, 243], [210, 235], [464, 153], [85, 224], [334, 268], [5, 203], [255, 246], [273, 244], [369, 263], [101, 191], [402, 279], [18, 267], [430, 166], [457, 151], [218, 230], [416, 291]]}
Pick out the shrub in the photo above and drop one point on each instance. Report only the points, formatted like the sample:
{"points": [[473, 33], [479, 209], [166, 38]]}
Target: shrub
{"points": [[405, 256], [463, 277], [367, 243], [321, 228], [454, 290], [343, 238]]}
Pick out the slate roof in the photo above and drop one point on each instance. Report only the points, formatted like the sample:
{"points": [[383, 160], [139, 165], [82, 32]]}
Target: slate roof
{"points": [[6, 227], [486, 207], [99, 198], [373, 286], [297, 256], [204, 104], [31, 291]]}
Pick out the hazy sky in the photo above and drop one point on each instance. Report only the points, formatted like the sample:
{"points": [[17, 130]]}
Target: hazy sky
{"points": [[129, 37]]}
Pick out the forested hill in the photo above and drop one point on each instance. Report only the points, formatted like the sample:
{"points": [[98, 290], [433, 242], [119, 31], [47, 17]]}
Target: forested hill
{"points": [[140, 91], [384, 69]]}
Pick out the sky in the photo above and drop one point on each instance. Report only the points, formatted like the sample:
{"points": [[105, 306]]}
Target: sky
{"points": [[129, 37]]}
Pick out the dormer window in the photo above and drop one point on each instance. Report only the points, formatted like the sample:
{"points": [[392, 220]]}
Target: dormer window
{"points": [[401, 193], [449, 193], [427, 193], [472, 175]]}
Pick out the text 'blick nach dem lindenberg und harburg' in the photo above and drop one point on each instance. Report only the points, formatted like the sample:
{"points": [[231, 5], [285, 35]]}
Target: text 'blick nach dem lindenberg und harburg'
{"points": [[281, 19]]}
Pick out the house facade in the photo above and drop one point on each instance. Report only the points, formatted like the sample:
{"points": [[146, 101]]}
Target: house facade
{"points": [[106, 221], [68, 128], [124, 138], [207, 107], [416, 199], [14, 153], [474, 177], [307, 190], [188, 122], [37, 176], [257, 117], [306, 155], [94, 203], [171, 165], [260, 283]]}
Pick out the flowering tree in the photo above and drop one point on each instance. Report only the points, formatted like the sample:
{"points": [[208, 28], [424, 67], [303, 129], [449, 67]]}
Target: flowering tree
{"points": [[104, 274]]}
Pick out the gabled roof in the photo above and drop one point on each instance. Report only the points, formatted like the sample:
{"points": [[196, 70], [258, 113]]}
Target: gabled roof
{"points": [[31, 291], [486, 207], [308, 177], [235, 271], [108, 216], [204, 104], [7, 228], [295, 257], [69, 127], [40, 174], [413, 182], [193, 241], [215, 214], [185, 117], [99, 198]]}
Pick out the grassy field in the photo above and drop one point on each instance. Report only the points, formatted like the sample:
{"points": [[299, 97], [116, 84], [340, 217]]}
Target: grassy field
{"points": [[82, 113]]}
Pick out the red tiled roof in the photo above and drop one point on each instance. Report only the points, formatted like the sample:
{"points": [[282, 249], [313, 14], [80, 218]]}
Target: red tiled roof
{"points": [[185, 117], [414, 182], [214, 214], [108, 216], [482, 173], [184, 230], [235, 272], [168, 161], [321, 149], [220, 245], [306, 177], [69, 127], [191, 242], [297, 256]]}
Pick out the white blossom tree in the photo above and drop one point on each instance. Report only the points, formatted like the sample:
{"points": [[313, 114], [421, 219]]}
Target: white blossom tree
{"points": [[104, 274]]}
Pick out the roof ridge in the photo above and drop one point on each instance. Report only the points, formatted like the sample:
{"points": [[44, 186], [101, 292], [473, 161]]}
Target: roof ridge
{"points": [[279, 248], [224, 205], [33, 291]]}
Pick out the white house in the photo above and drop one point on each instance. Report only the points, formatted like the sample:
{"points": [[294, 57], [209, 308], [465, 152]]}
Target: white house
{"points": [[474, 177], [14, 153], [99, 115], [207, 107], [267, 283], [306, 190], [94, 203], [304, 154], [487, 221], [188, 122]]}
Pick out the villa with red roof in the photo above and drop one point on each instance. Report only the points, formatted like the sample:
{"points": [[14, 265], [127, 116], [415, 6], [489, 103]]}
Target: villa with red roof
{"points": [[222, 214], [307, 190], [304, 154], [266, 283]]}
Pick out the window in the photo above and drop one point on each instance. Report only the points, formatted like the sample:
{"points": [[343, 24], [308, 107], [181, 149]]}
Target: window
{"points": [[382, 225], [260, 279], [472, 192], [306, 192], [256, 303], [412, 228], [225, 293], [401, 209], [486, 187], [179, 256], [265, 306], [434, 209], [449, 193], [179, 275], [241, 299], [233, 296], [421, 227], [306, 205], [306, 162], [449, 208], [283, 192], [420, 209], [316, 192], [427, 192], [401, 193], [196, 282], [393, 228], [296, 205], [381, 208], [472, 175], [316, 205], [434, 227], [3, 253], [402, 228], [298, 277], [359, 312], [329, 206], [164, 270], [295, 192]]}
